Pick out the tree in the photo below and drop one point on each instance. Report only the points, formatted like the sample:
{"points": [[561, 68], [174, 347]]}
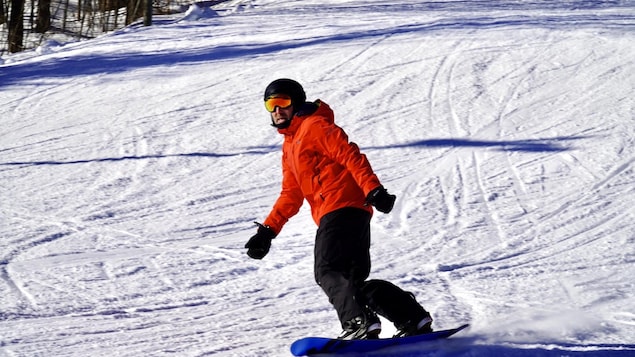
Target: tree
{"points": [[135, 10], [3, 15], [43, 21], [16, 26]]}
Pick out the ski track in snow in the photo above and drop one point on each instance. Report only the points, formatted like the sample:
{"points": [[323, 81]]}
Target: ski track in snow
{"points": [[134, 164]]}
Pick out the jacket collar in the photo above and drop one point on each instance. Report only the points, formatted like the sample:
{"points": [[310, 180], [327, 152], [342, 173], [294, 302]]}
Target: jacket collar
{"points": [[318, 108]]}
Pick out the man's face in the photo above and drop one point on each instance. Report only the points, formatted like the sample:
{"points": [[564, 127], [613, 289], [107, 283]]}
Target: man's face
{"points": [[282, 115]]}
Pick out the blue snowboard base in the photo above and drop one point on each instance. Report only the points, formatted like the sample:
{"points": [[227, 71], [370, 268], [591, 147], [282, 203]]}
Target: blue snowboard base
{"points": [[315, 345]]}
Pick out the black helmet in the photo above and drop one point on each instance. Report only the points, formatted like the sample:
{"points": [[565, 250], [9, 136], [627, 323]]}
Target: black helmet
{"points": [[289, 87]]}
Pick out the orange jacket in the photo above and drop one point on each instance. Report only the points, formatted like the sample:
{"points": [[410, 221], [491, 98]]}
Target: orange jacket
{"points": [[320, 165]]}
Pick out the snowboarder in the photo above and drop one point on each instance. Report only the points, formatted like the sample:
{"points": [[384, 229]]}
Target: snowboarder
{"points": [[321, 166]]}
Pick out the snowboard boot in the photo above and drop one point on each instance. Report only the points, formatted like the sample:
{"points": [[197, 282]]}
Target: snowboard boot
{"points": [[415, 327], [363, 327]]}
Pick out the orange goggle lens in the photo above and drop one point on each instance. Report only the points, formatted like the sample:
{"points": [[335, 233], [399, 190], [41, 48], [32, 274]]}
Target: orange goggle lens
{"points": [[272, 102]]}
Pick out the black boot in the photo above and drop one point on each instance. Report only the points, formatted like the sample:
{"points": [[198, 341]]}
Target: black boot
{"points": [[418, 326], [398, 306], [364, 327]]}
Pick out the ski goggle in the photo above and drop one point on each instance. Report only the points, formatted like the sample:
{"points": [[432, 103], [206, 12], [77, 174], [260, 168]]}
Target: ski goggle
{"points": [[274, 101]]}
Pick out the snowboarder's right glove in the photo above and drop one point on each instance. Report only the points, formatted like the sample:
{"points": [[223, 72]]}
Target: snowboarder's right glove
{"points": [[381, 199], [258, 245]]}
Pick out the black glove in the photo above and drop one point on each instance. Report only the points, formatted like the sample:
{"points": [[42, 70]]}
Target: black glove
{"points": [[258, 245], [381, 199]]}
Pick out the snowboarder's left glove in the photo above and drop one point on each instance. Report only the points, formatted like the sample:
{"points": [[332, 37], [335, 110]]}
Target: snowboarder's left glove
{"points": [[258, 245], [381, 199]]}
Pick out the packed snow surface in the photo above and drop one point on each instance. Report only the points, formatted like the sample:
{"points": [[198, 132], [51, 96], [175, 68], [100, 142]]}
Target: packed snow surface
{"points": [[133, 165]]}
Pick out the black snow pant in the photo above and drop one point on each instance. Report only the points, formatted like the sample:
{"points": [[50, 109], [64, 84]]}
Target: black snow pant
{"points": [[342, 265]]}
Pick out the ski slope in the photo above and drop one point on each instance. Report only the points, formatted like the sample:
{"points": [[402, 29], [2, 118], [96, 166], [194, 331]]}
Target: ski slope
{"points": [[133, 166]]}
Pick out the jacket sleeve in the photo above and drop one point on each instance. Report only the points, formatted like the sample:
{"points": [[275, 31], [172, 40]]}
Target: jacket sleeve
{"points": [[288, 203], [335, 142]]}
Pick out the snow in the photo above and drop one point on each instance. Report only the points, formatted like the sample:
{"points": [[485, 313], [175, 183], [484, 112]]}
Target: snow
{"points": [[133, 167]]}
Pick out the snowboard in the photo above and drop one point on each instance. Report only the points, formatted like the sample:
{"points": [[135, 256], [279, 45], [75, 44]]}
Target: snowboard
{"points": [[314, 345]]}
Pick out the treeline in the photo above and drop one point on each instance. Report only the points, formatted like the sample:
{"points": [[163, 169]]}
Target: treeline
{"points": [[24, 23]]}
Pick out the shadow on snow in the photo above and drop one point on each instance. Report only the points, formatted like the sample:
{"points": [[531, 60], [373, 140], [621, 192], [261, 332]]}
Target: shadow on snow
{"points": [[471, 346], [530, 145], [556, 144]]}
